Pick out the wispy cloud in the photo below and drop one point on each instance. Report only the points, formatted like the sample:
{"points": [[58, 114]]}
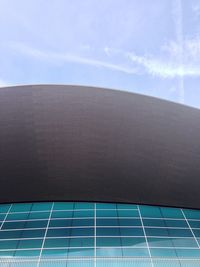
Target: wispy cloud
{"points": [[56, 57], [173, 59], [167, 63], [164, 67]]}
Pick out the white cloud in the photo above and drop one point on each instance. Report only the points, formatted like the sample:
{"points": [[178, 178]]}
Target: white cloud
{"points": [[168, 66], [56, 57], [165, 64]]}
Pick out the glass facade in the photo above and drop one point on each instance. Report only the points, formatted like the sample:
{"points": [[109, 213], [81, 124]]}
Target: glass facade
{"points": [[98, 234]]}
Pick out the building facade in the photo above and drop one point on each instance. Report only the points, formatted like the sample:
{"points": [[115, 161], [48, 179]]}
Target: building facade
{"points": [[95, 177]]}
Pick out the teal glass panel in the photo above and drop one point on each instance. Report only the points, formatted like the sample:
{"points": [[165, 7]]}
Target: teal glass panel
{"points": [[84, 206], [150, 212], [27, 253], [41, 206], [81, 252], [21, 207], [106, 213], [62, 214], [168, 232], [171, 213], [36, 224], [163, 252], [109, 252], [109, 231], [4, 208], [83, 213], [39, 215], [128, 213], [8, 244], [129, 222], [83, 222], [56, 242], [127, 206], [135, 252], [82, 242], [185, 242], [135, 231], [17, 216], [108, 241], [180, 232], [2, 216], [10, 234], [176, 223], [82, 232], [188, 253], [32, 233], [59, 232], [30, 243], [194, 224], [47, 253], [107, 222], [60, 223], [7, 253], [105, 231], [13, 225], [192, 214], [133, 242], [63, 206], [196, 232], [165, 223], [106, 206], [118, 222], [156, 242]]}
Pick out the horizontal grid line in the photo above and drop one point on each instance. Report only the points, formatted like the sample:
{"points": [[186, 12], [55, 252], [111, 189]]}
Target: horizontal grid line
{"points": [[100, 247], [71, 210], [98, 227], [102, 212], [92, 236], [100, 217], [87, 218], [72, 218], [91, 258]]}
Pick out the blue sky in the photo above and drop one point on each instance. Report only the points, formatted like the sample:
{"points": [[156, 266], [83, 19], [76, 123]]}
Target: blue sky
{"points": [[150, 47]]}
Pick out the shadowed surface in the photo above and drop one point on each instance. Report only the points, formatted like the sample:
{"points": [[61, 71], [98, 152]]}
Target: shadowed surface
{"points": [[71, 143]]}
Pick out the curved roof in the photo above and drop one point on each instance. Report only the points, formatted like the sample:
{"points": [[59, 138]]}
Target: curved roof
{"points": [[73, 143]]}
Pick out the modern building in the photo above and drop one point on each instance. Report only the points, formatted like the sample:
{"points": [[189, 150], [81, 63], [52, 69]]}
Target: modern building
{"points": [[91, 177]]}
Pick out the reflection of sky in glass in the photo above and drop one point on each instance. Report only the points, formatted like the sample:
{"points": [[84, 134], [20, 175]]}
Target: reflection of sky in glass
{"points": [[98, 230], [149, 47]]}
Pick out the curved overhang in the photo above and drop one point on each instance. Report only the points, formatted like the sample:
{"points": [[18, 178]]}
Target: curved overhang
{"points": [[73, 143]]}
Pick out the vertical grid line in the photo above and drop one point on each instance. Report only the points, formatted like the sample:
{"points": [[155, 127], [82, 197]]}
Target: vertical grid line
{"points": [[5, 220], [6, 216], [70, 230], [95, 234], [45, 234], [190, 228], [145, 235], [120, 234]]}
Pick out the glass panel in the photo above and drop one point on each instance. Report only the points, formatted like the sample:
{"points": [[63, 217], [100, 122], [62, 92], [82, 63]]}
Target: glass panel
{"points": [[21, 207], [81, 230], [192, 214], [4, 208]]}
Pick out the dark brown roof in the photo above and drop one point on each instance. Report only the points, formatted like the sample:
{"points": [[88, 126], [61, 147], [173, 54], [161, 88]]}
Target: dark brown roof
{"points": [[78, 143]]}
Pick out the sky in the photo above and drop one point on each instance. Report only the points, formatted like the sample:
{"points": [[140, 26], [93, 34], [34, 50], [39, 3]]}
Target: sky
{"points": [[150, 47]]}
